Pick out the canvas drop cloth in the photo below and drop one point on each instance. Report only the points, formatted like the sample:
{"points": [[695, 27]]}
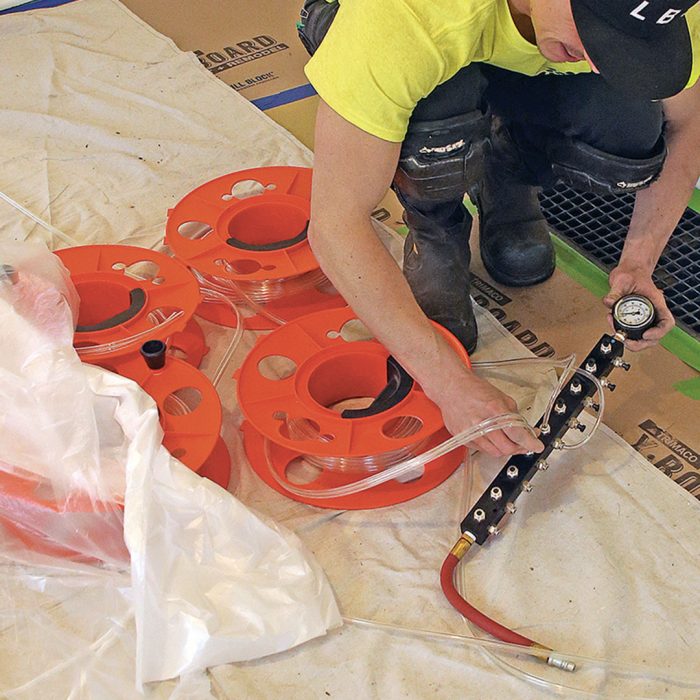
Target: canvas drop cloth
{"points": [[104, 124]]}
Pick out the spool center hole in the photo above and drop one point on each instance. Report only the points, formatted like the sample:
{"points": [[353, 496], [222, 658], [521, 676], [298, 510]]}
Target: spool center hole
{"points": [[267, 222], [100, 301], [350, 381]]}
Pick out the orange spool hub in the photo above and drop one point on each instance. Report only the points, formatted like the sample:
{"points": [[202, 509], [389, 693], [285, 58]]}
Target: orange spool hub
{"points": [[294, 388], [125, 292], [252, 242]]}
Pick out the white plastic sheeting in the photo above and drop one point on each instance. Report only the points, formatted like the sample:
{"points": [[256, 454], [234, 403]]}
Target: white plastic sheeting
{"points": [[58, 492], [83, 474], [213, 583], [600, 559]]}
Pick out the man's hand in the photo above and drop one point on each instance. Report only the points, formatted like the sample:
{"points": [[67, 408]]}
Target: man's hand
{"points": [[629, 280], [471, 400]]}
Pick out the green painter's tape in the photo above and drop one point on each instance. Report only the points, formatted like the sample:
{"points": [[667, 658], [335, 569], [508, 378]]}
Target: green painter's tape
{"points": [[595, 280], [695, 201], [689, 388]]}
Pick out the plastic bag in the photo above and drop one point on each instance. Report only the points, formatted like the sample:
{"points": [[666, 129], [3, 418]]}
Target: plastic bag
{"points": [[60, 495], [120, 566]]}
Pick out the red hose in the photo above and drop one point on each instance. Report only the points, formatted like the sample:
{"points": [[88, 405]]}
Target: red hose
{"points": [[471, 613]]}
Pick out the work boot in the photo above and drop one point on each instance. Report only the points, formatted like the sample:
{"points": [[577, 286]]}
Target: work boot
{"points": [[436, 265], [514, 239]]}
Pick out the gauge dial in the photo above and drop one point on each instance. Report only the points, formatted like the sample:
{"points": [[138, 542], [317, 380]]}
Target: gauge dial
{"points": [[633, 314]]}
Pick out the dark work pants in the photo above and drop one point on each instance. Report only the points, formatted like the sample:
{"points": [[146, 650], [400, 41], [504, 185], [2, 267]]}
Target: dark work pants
{"points": [[580, 107], [539, 110]]}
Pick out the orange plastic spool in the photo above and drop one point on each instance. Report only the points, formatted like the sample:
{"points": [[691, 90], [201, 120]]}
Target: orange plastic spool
{"points": [[128, 292], [189, 409], [249, 228], [292, 389]]}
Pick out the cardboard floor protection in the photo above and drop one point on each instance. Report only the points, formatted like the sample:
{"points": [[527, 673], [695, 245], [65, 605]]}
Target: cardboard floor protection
{"points": [[252, 48], [103, 124]]}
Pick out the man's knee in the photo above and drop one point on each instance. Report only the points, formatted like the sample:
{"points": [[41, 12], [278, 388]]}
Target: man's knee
{"points": [[553, 157], [614, 144], [614, 123], [578, 130], [441, 159], [590, 169]]}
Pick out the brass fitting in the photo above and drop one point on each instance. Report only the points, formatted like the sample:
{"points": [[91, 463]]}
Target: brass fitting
{"points": [[462, 546]]}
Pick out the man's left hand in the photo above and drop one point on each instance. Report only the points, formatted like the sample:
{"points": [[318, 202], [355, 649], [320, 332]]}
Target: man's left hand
{"points": [[633, 281]]}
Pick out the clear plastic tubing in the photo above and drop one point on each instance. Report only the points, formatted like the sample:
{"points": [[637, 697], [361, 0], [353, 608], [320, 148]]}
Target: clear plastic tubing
{"points": [[265, 291], [567, 363], [416, 462], [507, 420], [257, 295], [213, 296], [132, 340], [216, 290], [492, 646], [38, 220]]}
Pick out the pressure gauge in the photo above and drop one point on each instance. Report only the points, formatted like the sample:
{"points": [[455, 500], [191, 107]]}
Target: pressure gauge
{"points": [[632, 315]]}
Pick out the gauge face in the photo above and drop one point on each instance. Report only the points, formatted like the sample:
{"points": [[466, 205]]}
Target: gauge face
{"points": [[633, 314], [634, 311]]}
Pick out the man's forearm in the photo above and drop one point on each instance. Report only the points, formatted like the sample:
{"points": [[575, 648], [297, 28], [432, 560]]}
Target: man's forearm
{"points": [[659, 208], [352, 170], [367, 276]]}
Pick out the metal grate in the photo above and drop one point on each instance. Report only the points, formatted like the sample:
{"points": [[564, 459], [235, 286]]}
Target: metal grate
{"points": [[597, 226]]}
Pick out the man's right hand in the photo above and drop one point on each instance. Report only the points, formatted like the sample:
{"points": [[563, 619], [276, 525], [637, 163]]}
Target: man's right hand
{"points": [[470, 400]]}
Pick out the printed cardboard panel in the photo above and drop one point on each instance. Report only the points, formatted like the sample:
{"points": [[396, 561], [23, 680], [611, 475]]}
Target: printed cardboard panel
{"points": [[559, 317], [251, 46], [298, 118]]}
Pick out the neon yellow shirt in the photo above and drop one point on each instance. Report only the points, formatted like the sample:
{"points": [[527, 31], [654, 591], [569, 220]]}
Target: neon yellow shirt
{"points": [[380, 57]]}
